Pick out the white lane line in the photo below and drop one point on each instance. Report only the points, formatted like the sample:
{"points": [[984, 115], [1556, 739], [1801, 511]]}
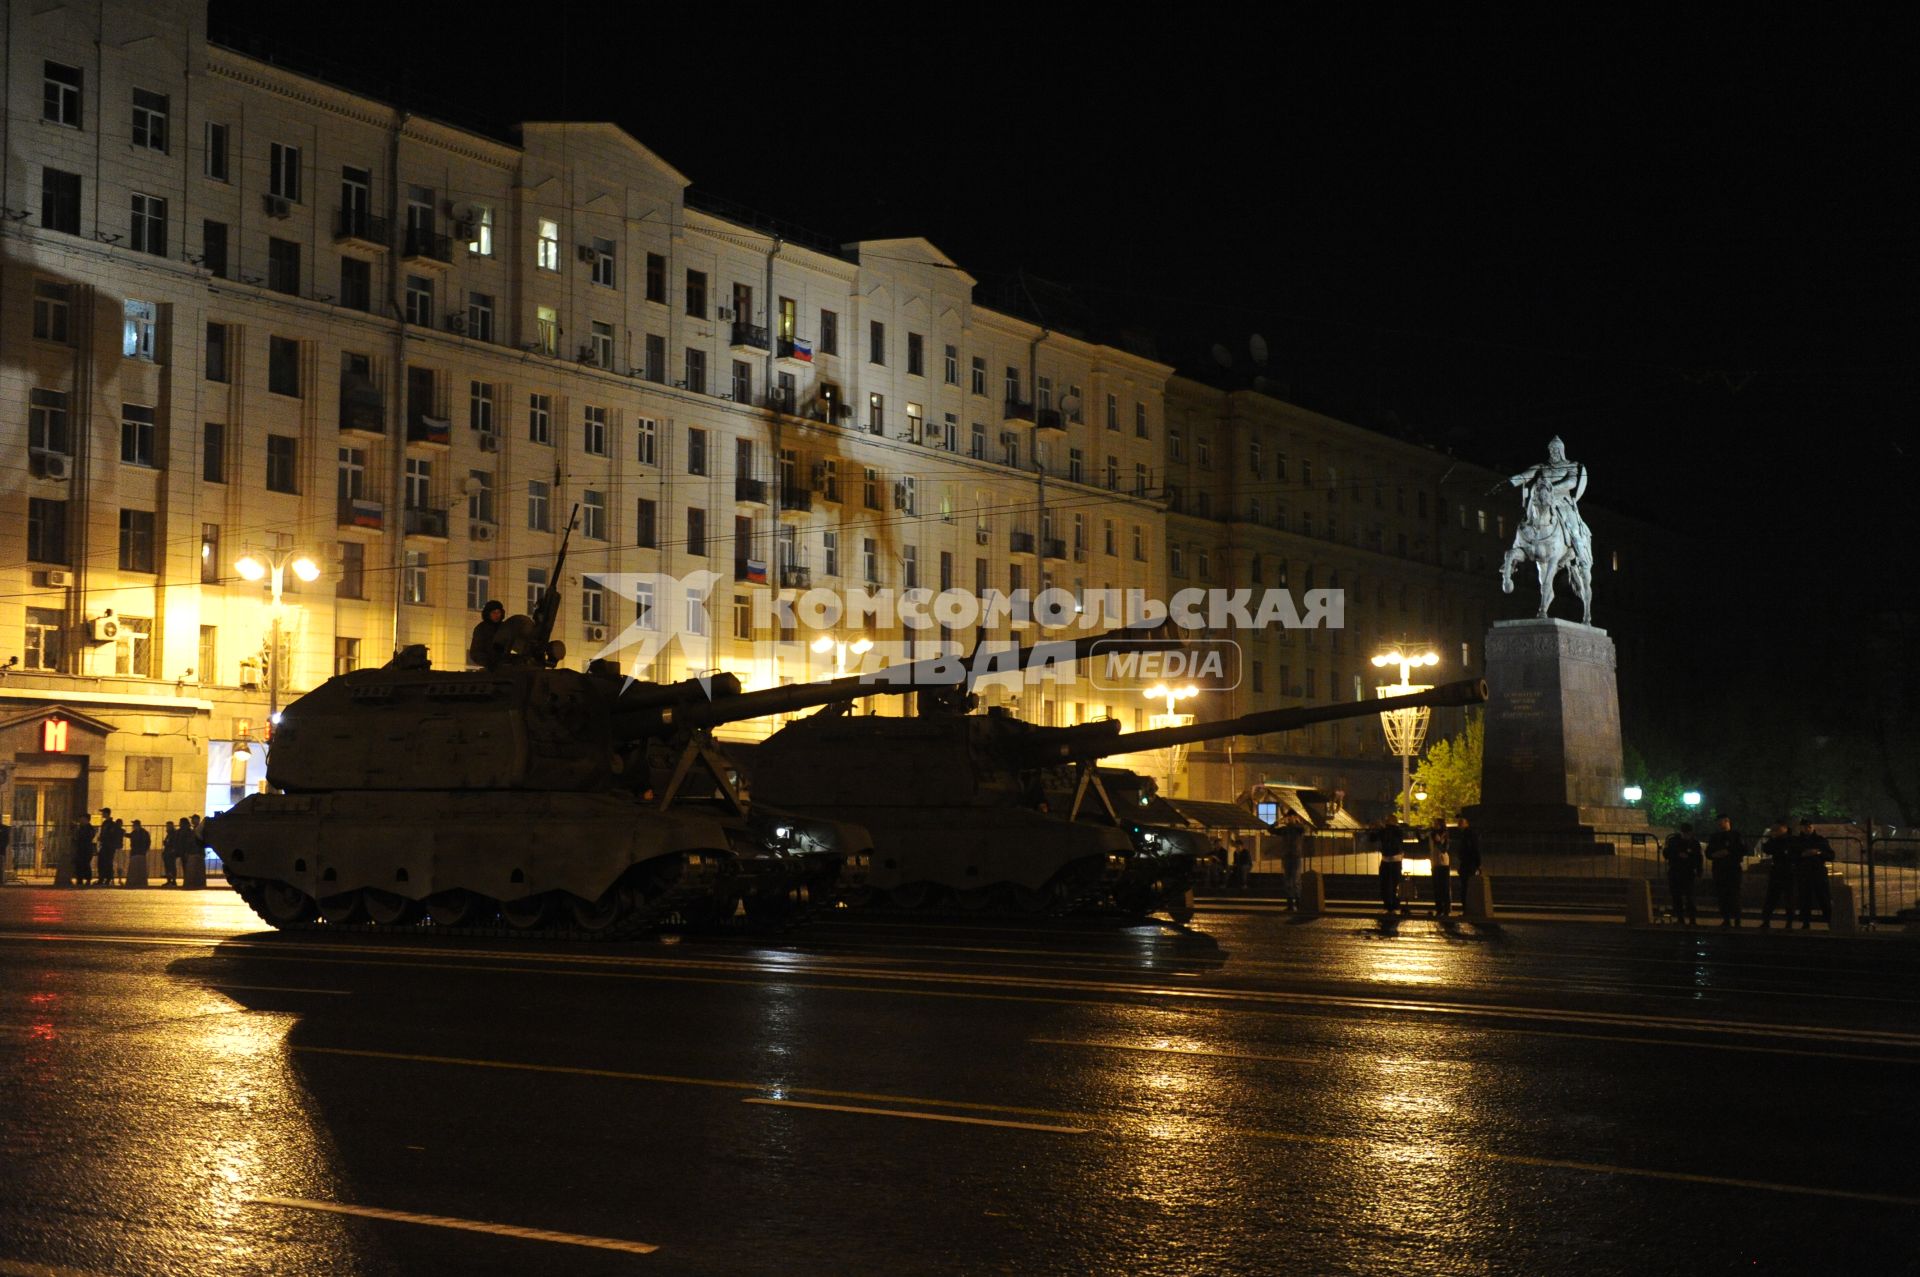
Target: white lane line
{"points": [[269, 988], [465, 1225], [1185, 1050], [924, 1117]]}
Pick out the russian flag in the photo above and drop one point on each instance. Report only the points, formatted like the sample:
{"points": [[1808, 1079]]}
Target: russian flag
{"points": [[803, 350], [757, 571]]}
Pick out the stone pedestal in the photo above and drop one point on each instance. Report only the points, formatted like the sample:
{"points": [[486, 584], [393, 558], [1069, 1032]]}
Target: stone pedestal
{"points": [[1551, 770]]}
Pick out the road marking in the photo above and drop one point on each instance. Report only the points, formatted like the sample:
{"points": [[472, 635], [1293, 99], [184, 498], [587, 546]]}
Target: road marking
{"points": [[465, 1225], [1184, 1050], [1601, 1168], [924, 1117], [270, 988], [674, 1079]]}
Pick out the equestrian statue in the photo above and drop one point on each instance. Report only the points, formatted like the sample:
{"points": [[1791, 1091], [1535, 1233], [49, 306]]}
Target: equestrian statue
{"points": [[1551, 532]]}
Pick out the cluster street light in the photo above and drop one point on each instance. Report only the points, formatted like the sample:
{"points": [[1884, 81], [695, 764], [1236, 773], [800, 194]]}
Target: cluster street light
{"points": [[1172, 696], [1405, 728], [273, 564], [840, 647]]}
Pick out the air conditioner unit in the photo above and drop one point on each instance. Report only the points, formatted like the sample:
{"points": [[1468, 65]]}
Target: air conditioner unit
{"points": [[588, 256], [899, 496], [56, 465], [819, 474], [724, 312], [277, 205], [465, 230], [456, 322], [586, 356], [483, 531], [489, 441], [981, 536], [596, 633], [59, 577], [105, 629]]}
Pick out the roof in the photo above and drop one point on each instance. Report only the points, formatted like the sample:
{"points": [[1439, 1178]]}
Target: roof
{"points": [[1209, 815]]}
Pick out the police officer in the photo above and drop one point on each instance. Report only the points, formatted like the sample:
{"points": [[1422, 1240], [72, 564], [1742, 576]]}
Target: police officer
{"points": [[1778, 849], [480, 648], [113, 836], [1439, 846], [1812, 853], [1392, 853], [1463, 844], [1725, 852], [1682, 854]]}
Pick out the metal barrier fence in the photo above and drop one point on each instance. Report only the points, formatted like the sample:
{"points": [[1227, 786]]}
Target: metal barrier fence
{"points": [[34, 850]]}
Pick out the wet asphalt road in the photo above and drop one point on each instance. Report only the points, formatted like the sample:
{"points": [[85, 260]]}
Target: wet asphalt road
{"points": [[184, 1092]]}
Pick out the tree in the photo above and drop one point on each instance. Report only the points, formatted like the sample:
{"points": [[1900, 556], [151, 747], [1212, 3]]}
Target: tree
{"points": [[1450, 773]]}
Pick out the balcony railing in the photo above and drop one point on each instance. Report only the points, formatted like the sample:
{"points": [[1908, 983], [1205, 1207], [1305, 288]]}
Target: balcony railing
{"points": [[1018, 412], [358, 512], [429, 430], [1050, 419], [361, 227], [361, 406], [751, 336], [796, 578], [753, 490], [424, 522], [1021, 543], [429, 246], [1054, 548], [796, 348], [798, 500]]}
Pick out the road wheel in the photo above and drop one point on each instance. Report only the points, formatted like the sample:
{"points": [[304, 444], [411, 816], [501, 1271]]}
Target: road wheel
{"points": [[1031, 901], [912, 895], [342, 910], [388, 909], [285, 905], [455, 909], [529, 913], [598, 915]]}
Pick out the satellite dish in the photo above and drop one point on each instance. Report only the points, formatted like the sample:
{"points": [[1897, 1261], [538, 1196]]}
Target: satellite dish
{"points": [[1070, 405], [472, 484], [1222, 356], [1257, 347]]}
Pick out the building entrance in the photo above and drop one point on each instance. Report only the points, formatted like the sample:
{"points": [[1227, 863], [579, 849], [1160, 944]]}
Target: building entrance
{"points": [[44, 809]]}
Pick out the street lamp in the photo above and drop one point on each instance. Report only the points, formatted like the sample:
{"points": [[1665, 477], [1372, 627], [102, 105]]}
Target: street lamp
{"points": [[1405, 728], [1631, 793], [1691, 798], [259, 565], [839, 647], [1172, 696]]}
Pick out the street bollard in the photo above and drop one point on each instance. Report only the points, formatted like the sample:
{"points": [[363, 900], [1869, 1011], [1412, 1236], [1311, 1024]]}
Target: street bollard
{"points": [[1639, 902], [1479, 901], [1844, 917], [193, 870], [136, 870], [1313, 893]]}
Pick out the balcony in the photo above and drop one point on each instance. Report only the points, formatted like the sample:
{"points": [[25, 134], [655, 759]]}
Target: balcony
{"points": [[1054, 548], [357, 228], [792, 578], [798, 349], [749, 336], [359, 512], [796, 500], [1021, 543], [424, 522], [424, 246], [1050, 419], [750, 491], [1017, 413], [362, 407], [436, 430]]}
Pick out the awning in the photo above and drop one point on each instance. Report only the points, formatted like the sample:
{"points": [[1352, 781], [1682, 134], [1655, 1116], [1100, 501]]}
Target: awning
{"points": [[1209, 815]]}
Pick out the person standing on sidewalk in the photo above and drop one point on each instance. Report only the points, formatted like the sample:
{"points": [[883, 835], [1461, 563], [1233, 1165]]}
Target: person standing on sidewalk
{"points": [[1725, 851], [1778, 850], [139, 843], [1463, 844], [1392, 855], [1812, 853], [1439, 845], [1293, 838], [113, 836], [1682, 854], [82, 852]]}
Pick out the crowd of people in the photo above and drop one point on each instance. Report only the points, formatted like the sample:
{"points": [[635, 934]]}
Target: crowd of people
{"points": [[96, 851], [1451, 850], [1796, 872]]}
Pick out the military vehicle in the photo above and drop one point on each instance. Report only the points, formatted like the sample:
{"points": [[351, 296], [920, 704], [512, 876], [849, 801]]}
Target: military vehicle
{"points": [[987, 812]]}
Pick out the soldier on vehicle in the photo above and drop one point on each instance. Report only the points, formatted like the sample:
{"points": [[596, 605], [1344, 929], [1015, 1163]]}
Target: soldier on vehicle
{"points": [[480, 649], [1812, 853], [1779, 851], [1725, 852], [1682, 854]]}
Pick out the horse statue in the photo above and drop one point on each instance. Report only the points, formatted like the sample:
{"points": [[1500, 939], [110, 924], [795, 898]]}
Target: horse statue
{"points": [[1553, 535]]}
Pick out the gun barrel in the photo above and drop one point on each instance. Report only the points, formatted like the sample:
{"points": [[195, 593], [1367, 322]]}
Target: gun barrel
{"points": [[1470, 691]]}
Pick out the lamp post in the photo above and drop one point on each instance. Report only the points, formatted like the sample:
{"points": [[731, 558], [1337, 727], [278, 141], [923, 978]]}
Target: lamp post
{"points": [[1405, 728], [839, 647], [264, 564], [1172, 696]]}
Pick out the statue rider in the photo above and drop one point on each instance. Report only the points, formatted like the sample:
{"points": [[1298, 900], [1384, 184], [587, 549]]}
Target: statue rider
{"points": [[1563, 483]]}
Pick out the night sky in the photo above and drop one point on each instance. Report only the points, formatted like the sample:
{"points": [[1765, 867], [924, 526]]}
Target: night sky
{"points": [[1684, 245]]}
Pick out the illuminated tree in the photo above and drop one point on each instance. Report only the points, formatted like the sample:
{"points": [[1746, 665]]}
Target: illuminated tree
{"points": [[1450, 773]]}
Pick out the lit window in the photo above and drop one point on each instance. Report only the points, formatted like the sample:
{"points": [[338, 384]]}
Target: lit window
{"points": [[137, 338], [547, 249]]}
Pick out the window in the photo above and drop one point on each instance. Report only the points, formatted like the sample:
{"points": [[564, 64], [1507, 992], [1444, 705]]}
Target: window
{"points": [[1110, 541], [46, 638], [910, 566], [1009, 448], [697, 293], [480, 316], [655, 368], [869, 561], [418, 484], [546, 330], [643, 613], [1113, 412], [603, 262], [979, 375], [413, 577], [213, 453], [1011, 384], [1113, 473], [1253, 457], [830, 552], [46, 530], [646, 520], [346, 655], [539, 519], [697, 614], [150, 120], [829, 321], [216, 362], [786, 392], [593, 514], [52, 310], [133, 654], [876, 342], [951, 369], [540, 418], [593, 603], [149, 225], [546, 249], [536, 587], [600, 345], [352, 583], [903, 495], [870, 488], [356, 284], [656, 278], [1174, 563], [138, 335], [877, 413], [977, 442], [646, 441], [696, 531], [1139, 421], [742, 381], [480, 496], [480, 406], [283, 453], [136, 541], [1076, 466], [1139, 545], [210, 561], [60, 95], [47, 421], [1043, 393], [1139, 478], [283, 171], [742, 617], [283, 267], [916, 355], [950, 432], [420, 301], [480, 230], [60, 201], [283, 366], [696, 450], [137, 435], [697, 371]]}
